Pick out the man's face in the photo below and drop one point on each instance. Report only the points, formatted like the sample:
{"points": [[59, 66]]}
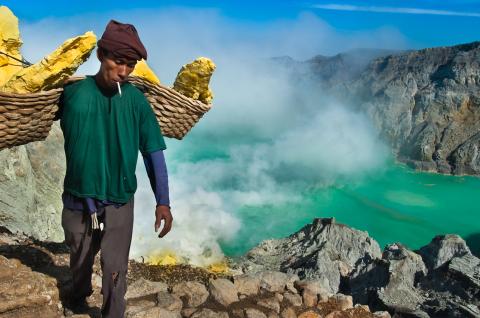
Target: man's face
{"points": [[114, 69]]}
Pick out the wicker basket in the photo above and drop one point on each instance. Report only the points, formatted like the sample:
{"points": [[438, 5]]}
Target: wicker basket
{"points": [[176, 113], [29, 117], [26, 117]]}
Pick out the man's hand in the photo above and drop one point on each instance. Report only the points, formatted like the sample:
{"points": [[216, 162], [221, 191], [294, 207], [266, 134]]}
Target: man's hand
{"points": [[163, 213]]}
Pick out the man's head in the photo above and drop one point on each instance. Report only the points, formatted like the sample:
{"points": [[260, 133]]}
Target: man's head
{"points": [[119, 49]]}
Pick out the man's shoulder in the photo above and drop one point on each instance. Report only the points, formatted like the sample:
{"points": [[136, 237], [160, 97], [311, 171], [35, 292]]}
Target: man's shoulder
{"points": [[76, 85]]}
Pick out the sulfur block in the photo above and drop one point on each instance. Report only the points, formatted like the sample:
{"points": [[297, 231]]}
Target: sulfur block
{"points": [[193, 79], [144, 71], [53, 69], [10, 43]]}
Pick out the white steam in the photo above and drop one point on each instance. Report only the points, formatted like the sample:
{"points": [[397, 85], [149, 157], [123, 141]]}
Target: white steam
{"points": [[264, 135]]}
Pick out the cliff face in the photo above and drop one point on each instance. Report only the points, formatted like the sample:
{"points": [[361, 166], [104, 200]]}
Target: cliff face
{"points": [[31, 182], [427, 105]]}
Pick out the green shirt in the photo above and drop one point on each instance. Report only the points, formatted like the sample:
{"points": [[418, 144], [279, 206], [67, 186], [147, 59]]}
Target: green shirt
{"points": [[103, 134]]}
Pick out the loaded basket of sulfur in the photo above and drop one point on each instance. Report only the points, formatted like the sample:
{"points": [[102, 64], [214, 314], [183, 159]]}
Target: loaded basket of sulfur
{"points": [[30, 93], [26, 117]]}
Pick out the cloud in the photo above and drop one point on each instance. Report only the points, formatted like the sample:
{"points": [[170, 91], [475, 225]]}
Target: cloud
{"points": [[348, 7]]}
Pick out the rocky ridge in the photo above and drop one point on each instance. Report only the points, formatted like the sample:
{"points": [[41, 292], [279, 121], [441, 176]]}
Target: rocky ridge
{"points": [[441, 279]]}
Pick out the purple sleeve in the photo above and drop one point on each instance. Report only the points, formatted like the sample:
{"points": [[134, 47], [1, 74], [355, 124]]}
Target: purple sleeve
{"points": [[157, 173]]}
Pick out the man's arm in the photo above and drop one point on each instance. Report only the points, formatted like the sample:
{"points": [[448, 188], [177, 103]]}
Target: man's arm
{"points": [[157, 173]]}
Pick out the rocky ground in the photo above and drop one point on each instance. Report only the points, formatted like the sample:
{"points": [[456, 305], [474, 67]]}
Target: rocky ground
{"points": [[323, 270], [35, 282]]}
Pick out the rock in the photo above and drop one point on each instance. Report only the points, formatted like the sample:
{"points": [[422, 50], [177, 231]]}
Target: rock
{"points": [[239, 313], [25, 172], [362, 307], [187, 312], [382, 314], [223, 291], [254, 313], [405, 267], [168, 301], [270, 303], [466, 268], [391, 281], [208, 313], [22, 290], [274, 281], [194, 293], [454, 288], [337, 314], [442, 249], [309, 314], [342, 302], [143, 287], [156, 312], [309, 298], [288, 312], [279, 297], [138, 306], [318, 251], [323, 297], [247, 284], [272, 314], [314, 286], [293, 299]]}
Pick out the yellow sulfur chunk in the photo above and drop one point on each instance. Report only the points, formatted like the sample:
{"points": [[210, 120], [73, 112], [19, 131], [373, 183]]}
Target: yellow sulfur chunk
{"points": [[219, 268], [144, 71], [10, 43], [193, 79], [54, 69], [164, 258]]}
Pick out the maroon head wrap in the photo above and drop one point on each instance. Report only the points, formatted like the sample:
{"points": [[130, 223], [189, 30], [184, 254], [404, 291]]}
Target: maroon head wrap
{"points": [[122, 40]]}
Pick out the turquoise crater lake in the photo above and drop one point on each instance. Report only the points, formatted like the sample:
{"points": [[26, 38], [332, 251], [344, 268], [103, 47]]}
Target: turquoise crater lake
{"points": [[397, 205]]}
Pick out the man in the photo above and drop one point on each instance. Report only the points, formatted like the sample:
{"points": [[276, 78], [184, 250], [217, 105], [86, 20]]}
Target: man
{"points": [[106, 121]]}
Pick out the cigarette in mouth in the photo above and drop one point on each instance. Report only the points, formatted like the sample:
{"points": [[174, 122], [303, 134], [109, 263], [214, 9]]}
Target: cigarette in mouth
{"points": [[119, 89]]}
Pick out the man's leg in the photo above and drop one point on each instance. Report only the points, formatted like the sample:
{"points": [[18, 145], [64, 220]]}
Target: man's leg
{"points": [[84, 245], [115, 247]]}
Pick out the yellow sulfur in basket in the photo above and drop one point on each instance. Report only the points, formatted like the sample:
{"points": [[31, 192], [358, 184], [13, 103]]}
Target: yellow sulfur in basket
{"points": [[193, 79], [144, 71], [55, 68], [10, 44]]}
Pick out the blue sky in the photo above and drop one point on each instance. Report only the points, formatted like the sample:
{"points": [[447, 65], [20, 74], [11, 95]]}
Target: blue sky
{"points": [[423, 23]]}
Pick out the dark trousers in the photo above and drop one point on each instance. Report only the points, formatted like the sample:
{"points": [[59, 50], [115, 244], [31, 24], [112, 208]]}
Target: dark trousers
{"points": [[114, 244]]}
